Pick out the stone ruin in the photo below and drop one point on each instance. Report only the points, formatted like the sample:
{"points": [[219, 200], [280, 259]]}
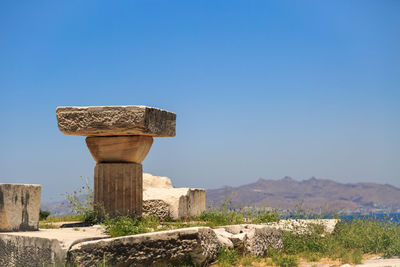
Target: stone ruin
{"points": [[160, 198], [119, 139]]}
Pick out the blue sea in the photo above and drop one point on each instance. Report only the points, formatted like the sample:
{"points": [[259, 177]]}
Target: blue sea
{"points": [[384, 217]]}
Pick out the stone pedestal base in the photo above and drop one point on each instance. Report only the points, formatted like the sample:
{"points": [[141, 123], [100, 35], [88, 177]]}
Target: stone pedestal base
{"points": [[118, 189]]}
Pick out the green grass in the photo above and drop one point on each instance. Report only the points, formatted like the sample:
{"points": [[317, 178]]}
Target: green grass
{"points": [[286, 261], [125, 225], [349, 241], [48, 223], [70, 218], [228, 214], [227, 257]]}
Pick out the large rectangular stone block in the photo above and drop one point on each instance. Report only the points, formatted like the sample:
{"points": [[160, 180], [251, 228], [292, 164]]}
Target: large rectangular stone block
{"points": [[19, 207], [182, 202], [116, 120]]}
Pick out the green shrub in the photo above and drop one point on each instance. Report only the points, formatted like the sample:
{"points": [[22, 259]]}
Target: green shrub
{"points": [[125, 225], [349, 241], [43, 214], [227, 257], [312, 256], [227, 213], [285, 260], [356, 256]]}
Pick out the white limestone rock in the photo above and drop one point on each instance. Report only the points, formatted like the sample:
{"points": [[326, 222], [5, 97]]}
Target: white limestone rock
{"points": [[181, 202], [302, 226], [254, 239], [46, 247], [224, 238], [151, 181], [19, 207], [174, 247]]}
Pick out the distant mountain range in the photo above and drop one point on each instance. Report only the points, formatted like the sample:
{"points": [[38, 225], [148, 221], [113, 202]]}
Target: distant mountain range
{"points": [[288, 194], [312, 194]]}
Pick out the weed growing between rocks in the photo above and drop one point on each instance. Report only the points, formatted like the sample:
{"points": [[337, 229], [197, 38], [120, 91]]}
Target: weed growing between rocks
{"points": [[227, 214], [81, 202], [227, 257], [125, 225]]}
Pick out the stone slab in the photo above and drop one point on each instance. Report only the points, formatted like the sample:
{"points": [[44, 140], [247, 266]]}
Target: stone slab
{"points": [[152, 181], [174, 247], [301, 226], [116, 120], [254, 239], [43, 247], [182, 202], [19, 207]]}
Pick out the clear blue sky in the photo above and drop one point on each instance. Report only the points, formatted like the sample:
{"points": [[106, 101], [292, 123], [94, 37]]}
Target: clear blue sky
{"points": [[261, 88]]}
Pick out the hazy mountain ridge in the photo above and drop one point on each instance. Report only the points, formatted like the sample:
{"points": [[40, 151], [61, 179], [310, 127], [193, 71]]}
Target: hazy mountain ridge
{"points": [[314, 194]]}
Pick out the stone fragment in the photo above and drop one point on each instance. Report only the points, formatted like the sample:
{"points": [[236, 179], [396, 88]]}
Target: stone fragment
{"points": [[261, 238], [156, 207], [254, 239], [19, 207], [183, 202], [46, 247], [196, 244], [152, 181], [238, 239], [119, 149], [116, 120], [224, 238], [302, 226]]}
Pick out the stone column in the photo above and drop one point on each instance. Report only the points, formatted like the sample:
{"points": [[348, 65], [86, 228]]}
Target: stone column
{"points": [[119, 138]]}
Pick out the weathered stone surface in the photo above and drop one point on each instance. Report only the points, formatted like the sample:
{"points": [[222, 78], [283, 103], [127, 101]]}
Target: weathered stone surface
{"points": [[119, 149], [43, 247], [183, 202], [301, 226], [118, 188], [198, 244], [156, 207], [19, 207], [254, 239], [152, 181], [224, 238], [116, 120], [261, 238]]}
